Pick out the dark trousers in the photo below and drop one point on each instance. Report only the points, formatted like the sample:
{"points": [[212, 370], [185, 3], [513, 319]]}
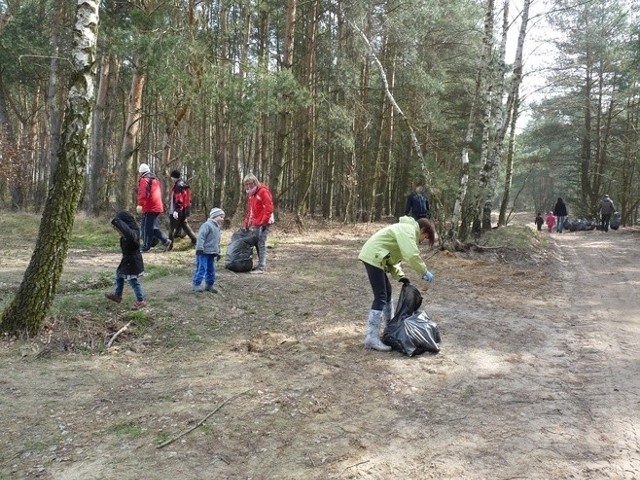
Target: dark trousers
{"points": [[150, 228], [175, 224], [604, 224], [380, 285]]}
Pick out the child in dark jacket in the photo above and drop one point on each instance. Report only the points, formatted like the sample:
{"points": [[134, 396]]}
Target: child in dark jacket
{"points": [[131, 266], [539, 221]]}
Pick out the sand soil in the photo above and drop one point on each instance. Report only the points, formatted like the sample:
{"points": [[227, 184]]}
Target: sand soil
{"points": [[538, 376]]}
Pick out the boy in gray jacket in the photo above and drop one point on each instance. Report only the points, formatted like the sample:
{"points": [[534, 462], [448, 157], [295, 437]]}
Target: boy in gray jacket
{"points": [[207, 249]]}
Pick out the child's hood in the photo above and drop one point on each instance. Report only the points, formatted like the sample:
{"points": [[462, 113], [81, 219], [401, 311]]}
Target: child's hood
{"points": [[127, 218]]}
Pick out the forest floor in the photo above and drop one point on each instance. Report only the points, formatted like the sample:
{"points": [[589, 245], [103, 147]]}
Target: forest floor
{"points": [[538, 375]]}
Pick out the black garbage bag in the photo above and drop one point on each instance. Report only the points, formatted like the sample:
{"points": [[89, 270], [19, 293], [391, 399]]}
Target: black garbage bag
{"points": [[615, 221], [581, 225], [411, 331], [240, 251]]}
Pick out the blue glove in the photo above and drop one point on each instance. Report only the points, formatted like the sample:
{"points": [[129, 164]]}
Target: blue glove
{"points": [[428, 276]]}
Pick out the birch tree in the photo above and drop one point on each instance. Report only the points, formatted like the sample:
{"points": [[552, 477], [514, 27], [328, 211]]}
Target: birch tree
{"points": [[26, 312]]}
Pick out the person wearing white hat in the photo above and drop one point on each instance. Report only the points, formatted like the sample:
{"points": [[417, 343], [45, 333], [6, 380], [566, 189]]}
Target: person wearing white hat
{"points": [[207, 250], [150, 206]]}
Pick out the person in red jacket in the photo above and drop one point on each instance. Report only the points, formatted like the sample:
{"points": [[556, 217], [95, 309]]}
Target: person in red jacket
{"points": [[180, 208], [259, 216], [150, 206]]}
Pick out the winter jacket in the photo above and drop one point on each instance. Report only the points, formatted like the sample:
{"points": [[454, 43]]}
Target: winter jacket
{"points": [[131, 263], [209, 235], [389, 246], [417, 205], [560, 210], [181, 199], [259, 208], [150, 194], [551, 220], [606, 206]]}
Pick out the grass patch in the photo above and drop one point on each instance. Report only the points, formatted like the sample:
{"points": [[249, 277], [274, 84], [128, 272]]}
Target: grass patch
{"points": [[42, 445], [92, 232], [87, 281], [141, 319], [515, 237], [88, 232], [127, 429]]}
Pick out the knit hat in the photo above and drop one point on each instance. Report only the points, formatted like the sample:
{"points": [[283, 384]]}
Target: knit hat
{"points": [[143, 168], [216, 212]]}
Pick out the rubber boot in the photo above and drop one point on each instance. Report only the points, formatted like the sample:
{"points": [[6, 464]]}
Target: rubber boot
{"points": [[373, 332]]}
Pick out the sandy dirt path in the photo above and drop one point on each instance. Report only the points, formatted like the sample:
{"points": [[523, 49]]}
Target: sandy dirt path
{"points": [[601, 279]]}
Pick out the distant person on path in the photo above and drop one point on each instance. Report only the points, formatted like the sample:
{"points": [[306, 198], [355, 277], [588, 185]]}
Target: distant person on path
{"points": [[550, 221], [382, 254], [560, 211], [207, 251], [150, 206], [180, 208], [539, 221], [418, 203], [606, 210], [131, 266], [259, 216]]}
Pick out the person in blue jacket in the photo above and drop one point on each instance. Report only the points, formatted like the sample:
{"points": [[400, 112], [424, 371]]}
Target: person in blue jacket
{"points": [[418, 203], [382, 253]]}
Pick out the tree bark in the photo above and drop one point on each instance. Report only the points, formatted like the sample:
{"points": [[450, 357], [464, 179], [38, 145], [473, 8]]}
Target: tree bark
{"points": [[513, 106], [27, 310], [309, 134], [282, 120], [130, 137], [97, 162]]}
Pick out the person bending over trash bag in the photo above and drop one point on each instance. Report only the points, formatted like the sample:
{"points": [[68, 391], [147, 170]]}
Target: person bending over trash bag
{"points": [[382, 253]]}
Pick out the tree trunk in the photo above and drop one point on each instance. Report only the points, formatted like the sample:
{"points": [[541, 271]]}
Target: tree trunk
{"points": [[497, 123], [282, 120], [97, 154], [485, 100], [588, 196], [53, 91], [130, 138], [28, 309], [513, 106], [12, 160], [309, 133]]}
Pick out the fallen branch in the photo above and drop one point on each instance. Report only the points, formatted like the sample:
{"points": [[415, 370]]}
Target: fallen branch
{"points": [[354, 465], [118, 333], [186, 432]]}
